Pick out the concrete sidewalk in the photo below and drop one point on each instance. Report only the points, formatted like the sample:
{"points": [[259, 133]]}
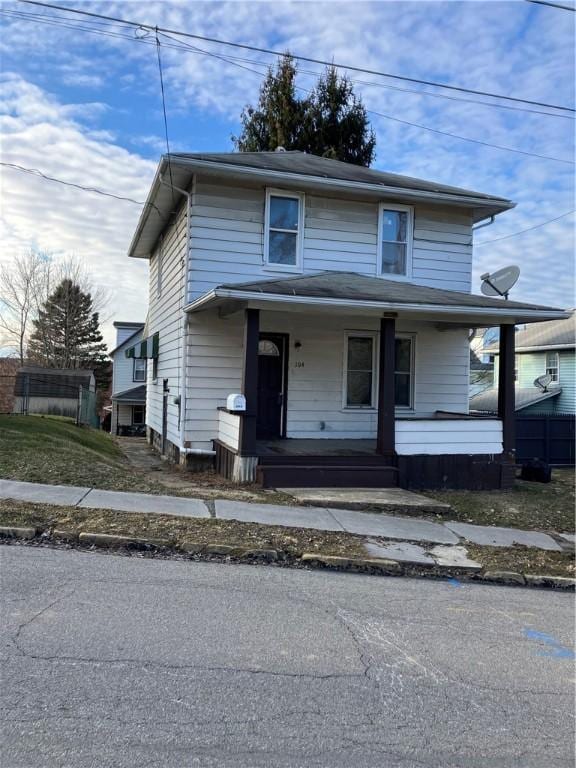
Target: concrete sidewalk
{"points": [[325, 519]]}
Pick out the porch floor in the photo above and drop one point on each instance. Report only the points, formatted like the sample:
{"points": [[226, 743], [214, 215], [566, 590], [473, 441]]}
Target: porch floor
{"points": [[311, 447]]}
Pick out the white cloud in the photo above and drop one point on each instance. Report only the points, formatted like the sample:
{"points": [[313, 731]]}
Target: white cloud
{"points": [[40, 133]]}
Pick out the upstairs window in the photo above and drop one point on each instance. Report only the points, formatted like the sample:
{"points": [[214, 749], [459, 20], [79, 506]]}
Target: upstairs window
{"points": [[139, 370], [283, 230], [553, 366], [395, 228]]}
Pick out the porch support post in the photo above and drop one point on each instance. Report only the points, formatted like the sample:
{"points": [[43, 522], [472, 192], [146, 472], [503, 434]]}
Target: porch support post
{"points": [[506, 388], [247, 442], [386, 439]]}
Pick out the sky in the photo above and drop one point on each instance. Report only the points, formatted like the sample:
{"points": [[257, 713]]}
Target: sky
{"points": [[82, 104]]}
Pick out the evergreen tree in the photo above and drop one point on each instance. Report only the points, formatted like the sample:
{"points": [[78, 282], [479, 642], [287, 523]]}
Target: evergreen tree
{"points": [[67, 334], [331, 122], [278, 120], [337, 125]]}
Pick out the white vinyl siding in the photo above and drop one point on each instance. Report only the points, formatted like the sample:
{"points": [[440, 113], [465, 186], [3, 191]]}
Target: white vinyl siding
{"points": [[228, 233], [123, 367], [315, 373], [229, 429], [165, 318], [435, 436]]}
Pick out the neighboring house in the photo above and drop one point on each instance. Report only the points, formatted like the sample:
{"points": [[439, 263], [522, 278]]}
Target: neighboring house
{"points": [[337, 301], [51, 391], [542, 348], [8, 369], [128, 382], [481, 374]]}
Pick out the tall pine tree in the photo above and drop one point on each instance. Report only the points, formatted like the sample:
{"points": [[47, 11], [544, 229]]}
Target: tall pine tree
{"points": [[67, 334], [331, 122], [278, 120]]}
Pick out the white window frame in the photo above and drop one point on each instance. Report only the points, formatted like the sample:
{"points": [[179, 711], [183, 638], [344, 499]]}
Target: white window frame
{"points": [[375, 371], [373, 395], [412, 371], [517, 368], [557, 366], [134, 360], [300, 197], [409, 209]]}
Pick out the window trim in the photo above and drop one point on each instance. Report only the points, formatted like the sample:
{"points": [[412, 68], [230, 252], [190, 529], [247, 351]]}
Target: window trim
{"points": [[409, 209], [411, 372], [557, 366], [300, 197], [375, 335], [139, 423], [134, 359], [374, 394]]}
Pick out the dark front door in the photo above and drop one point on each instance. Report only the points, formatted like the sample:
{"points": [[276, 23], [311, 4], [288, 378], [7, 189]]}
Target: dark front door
{"points": [[271, 385]]}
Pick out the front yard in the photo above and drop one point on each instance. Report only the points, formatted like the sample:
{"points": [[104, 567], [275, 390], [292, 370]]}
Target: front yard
{"points": [[532, 506]]}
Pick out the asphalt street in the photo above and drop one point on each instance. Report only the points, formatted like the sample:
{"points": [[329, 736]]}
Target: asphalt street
{"points": [[112, 661]]}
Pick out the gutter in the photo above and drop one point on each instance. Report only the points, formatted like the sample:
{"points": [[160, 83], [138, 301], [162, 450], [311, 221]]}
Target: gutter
{"points": [[343, 184], [227, 293]]}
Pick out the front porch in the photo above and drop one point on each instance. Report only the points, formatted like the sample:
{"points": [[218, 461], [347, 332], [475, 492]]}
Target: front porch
{"points": [[355, 382]]}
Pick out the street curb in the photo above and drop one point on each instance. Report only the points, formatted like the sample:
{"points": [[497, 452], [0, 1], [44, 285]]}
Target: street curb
{"points": [[14, 532], [113, 540], [312, 560]]}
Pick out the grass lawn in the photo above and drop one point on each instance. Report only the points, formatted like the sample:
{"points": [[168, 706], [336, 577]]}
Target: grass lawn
{"points": [[46, 449], [533, 506]]}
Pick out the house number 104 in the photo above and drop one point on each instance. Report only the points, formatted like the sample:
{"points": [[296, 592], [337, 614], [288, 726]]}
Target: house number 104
{"points": [[298, 364]]}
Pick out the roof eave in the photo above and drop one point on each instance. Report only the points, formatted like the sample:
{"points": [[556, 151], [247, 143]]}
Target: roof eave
{"points": [[529, 314]]}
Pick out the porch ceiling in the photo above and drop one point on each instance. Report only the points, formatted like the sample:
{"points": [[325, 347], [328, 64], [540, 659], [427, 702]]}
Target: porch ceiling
{"points": [[359, 294]]}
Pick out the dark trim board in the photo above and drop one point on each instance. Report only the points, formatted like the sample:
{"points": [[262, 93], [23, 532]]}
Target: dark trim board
{"points": [[424, 472]]}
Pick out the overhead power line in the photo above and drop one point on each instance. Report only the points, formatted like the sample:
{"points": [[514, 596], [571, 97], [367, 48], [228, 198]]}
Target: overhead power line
{"points": [[322, 62], [474, 141], [95, 190], [522, 231], [558, 6], [60, 21]]}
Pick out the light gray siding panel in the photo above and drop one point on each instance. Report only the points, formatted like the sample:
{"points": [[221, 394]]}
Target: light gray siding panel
{"points": [[227, 239], [165, 317], [315, 373], [123, 367]]}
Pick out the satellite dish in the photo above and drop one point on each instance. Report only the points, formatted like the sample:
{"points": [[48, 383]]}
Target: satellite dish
{"points": [[543, 382], [499, 283]]}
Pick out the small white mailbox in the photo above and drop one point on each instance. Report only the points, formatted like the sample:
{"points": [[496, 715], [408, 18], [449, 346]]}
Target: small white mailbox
{"points": [[236, 403]]}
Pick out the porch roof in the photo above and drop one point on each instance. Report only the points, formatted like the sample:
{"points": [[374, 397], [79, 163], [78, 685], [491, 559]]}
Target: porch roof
{"points": [[487, 401], [355, 292], [134, 395]]}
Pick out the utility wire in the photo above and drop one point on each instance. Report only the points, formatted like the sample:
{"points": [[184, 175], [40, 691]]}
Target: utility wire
{"points": [[40, 174], [179, 45], [558, 6], [466, 138], [165, 118], [322, 62], [521, 232]]}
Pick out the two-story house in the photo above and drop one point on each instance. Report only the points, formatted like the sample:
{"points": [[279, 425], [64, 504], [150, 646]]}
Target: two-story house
{"points": [[337, 301], [128, 382]]}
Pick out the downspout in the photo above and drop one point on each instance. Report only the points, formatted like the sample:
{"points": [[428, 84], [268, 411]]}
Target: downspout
{"points": [[486, 223]]}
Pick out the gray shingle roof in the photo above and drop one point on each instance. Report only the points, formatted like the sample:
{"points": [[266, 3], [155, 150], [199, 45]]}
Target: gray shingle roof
{"points": [[487, 401], [322, 167], [553, 333], [350, 285], [134, 395]]}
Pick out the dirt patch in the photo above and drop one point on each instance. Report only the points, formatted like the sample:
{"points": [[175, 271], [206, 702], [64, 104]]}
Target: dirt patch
{"points": [[530, 506], [179, 530], [524, 560]]}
